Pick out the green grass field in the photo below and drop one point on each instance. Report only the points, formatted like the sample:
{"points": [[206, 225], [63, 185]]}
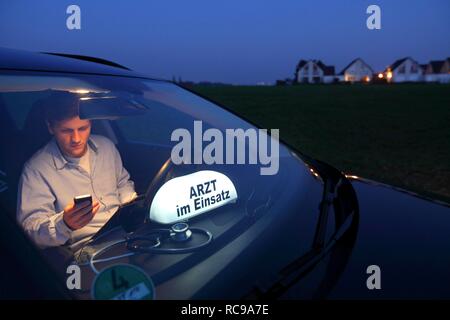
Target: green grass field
{"points": [[396, 134]]}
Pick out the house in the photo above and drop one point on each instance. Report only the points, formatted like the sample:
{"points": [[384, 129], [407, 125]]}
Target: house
{"points": [[356, 71], [438, 71], [314, 71], [404, 70]]}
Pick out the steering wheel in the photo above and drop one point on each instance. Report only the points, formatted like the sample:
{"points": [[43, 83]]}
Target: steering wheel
{"points": [[139, 211], [163, 175]]}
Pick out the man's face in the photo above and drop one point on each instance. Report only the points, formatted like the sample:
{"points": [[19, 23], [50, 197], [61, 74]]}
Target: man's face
{"points": [[72, 136]]}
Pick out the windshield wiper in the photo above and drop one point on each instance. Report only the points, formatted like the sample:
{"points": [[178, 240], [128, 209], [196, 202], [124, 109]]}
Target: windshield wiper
{"points": [[297, 269]]}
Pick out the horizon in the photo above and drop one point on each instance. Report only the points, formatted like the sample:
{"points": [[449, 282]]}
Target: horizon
{"points": [[231, 42]]}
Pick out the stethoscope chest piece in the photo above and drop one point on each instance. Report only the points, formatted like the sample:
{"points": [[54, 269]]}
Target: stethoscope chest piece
{"points": [[180, 232]]}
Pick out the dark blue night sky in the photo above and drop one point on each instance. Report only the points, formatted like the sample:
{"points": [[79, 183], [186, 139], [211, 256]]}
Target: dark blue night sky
{"points": [[240, 42]]}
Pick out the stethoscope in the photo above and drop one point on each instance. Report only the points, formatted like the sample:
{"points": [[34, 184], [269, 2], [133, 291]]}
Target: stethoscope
{"points": [[152, 241], [180, 232]]}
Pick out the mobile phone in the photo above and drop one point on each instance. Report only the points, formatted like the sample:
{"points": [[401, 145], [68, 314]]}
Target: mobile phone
{"points": [[83, 198]]}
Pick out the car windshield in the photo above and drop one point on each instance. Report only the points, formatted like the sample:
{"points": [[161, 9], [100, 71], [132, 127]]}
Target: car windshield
{"points": [[140, 116]]}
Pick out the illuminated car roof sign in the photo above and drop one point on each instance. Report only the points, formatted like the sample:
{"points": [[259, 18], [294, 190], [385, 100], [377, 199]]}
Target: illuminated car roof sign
{"points": [[187, 196]]}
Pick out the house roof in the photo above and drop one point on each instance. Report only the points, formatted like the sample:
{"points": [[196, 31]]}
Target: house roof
{"points": [[301, 64], [348, 66], [436, 66], [327, 70], [397, 63]]}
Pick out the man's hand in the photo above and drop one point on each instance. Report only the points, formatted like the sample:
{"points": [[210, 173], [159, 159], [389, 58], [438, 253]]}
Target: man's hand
{"points": [[77, 216]]}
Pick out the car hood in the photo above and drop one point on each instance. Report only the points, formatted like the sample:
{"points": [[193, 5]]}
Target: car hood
{"points": [[407, 237]]}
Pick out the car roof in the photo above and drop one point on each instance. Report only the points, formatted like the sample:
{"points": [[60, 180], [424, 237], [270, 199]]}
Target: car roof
{"points": [[12, 59]]}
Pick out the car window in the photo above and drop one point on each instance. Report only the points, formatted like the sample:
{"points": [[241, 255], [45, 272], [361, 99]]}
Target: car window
{"points": [[141, 115], [19, 105]]}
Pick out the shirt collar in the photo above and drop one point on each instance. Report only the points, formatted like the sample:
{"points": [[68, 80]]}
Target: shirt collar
{"points": [[59, 160]]}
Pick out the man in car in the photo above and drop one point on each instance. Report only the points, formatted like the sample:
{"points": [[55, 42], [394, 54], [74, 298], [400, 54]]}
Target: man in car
{"points": [[73, 163]]}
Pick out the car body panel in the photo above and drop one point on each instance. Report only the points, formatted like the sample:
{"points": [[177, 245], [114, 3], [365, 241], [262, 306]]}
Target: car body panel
{"points": [[11, 59], [406, 236]]}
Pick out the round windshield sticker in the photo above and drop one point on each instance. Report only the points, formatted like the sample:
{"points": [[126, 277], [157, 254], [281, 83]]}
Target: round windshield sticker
{"points": [[123, 282]]}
